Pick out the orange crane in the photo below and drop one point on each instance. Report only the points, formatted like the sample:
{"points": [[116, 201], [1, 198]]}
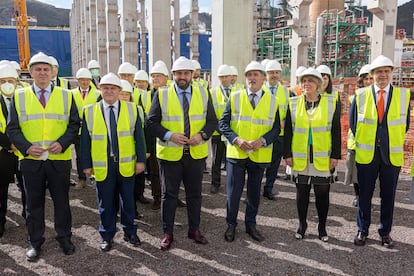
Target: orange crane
{"points": [[22, 31]]}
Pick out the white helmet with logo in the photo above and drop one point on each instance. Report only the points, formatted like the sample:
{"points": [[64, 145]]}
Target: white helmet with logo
{"points": [[323, 69], [234, 71], [40, 58], [16, 65], [111, 78], [224, 70], [127, 68], [141, 75], [8, 71], [264, 62], [311, 72], [159, 68], [381, 61], [273, 65], [83, 73], [126, 86], [182, 63], [92, 64], [254, 66]]}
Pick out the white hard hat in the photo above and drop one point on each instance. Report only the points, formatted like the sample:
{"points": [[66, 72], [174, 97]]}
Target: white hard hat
{"points": [[224, 70], [264, 62], [4, 61], [83, 73], [254, 66], [127, 68], [126, 86], [311, 72], [141, 75], [196, 64], [381, 61], [182, 63], [234, 71], [54, 61], [159, 68], [40, 58], [16, 65], [364, 70], [299, 71], [273, 65], [8, 71], [323, 69], [111, 78], [93, 64]]}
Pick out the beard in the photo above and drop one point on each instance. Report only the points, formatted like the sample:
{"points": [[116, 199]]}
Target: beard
{"points": [[182, 83]]}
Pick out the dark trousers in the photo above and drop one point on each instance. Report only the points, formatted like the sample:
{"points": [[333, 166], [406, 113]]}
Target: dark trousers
{"points": [[37, 177], [190, 172], [388, 178], [236, 172], [271, 171], [4, 191], [115, 186], [81, 174], [155, 176], [218, 148]]}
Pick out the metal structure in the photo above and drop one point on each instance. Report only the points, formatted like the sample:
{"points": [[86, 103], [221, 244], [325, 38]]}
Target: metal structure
{"points": [[345, 41], [22, 31], [274, 44]]}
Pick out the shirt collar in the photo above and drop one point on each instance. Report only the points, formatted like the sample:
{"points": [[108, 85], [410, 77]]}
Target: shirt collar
{"points": [[106, 105], [180, 91], [386, 88], [258, 93]]}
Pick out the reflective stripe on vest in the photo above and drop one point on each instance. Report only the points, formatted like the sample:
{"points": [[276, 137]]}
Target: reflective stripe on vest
{"points": [[173, 120], [219, 100]]}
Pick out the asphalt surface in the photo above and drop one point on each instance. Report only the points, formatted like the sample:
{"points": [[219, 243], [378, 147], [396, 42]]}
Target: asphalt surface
{"points": [[279, 254]]}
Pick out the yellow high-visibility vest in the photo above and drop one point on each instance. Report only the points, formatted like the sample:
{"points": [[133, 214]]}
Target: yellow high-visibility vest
{"points": [[320, 125], [90, 98], [99, 139], [173, 120], [367, 123], [251, 124], [43, 126], [219, 100], [3, 122], [351, 139], [282, 96], [146, 100]]}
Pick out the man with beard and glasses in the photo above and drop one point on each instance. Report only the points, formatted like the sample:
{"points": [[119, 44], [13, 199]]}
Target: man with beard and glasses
{"points": [[182, 118]]}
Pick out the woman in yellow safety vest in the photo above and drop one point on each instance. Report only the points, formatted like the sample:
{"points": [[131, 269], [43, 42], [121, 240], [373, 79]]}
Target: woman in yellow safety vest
{"points": [[364, 79], [312, 147]]}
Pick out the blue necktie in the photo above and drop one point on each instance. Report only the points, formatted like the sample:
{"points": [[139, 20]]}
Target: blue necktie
{"points": [[252, 101], [272, 89], [112, 125], [186, 108]]}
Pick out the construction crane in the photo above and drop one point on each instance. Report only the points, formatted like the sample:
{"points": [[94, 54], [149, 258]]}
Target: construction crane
{"points": [[22, 31]]}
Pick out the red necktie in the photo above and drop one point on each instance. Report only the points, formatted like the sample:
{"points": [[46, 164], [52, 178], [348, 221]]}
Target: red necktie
{"points": [[84, 92], [42, 98], [380, 105]]}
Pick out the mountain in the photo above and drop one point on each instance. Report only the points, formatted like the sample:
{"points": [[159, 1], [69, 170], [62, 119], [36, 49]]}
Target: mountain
{"points": [[47, 15]]}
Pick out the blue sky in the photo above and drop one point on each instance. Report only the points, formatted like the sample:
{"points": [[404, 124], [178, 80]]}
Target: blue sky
{"points": [[204, 5]]}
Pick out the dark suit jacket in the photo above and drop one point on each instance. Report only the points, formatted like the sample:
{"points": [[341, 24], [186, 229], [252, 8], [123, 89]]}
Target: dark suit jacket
{"points": [[224, 128], [8, 161], [85, 146], [154, 118], [22, 144], [382, 129]]}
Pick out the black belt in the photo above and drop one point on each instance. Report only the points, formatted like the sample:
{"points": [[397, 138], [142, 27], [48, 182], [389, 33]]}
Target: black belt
{"points": [[186, 150], [301, 179]]}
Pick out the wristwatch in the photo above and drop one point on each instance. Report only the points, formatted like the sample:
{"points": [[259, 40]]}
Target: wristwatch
{"points": [[204, 135]]}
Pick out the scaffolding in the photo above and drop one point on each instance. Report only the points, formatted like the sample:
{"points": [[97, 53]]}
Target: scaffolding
{"points": [[345, 41], [274, 44]]}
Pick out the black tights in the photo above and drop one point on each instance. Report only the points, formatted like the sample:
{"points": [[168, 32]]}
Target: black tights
{"points": [[321, 201]]}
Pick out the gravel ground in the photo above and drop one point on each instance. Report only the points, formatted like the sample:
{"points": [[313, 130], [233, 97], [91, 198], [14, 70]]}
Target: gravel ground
{"points": [[279, 254]]}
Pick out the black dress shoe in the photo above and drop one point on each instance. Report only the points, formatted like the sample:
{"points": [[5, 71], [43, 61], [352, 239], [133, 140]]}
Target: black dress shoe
{"points": [[214, 189], [143, 200], [67, 247], [32, 254], [132, 239], [230, 233], [252, 231], [197, 236], [269, 196], [105, 245], [387, 242], [360, 239]]}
